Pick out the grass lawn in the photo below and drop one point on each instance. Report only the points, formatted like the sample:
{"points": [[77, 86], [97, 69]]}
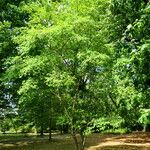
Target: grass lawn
{"points": [[134, 141], [33, 142]]}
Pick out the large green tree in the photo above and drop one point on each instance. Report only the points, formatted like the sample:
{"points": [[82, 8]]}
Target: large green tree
{"points": [[11, 17], [130, 71], [63, 58]]}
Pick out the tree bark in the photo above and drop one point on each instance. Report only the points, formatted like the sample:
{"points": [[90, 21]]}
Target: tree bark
{"points": [[41, 131], [75, 141], [144, 128], [82, 141], [50, 130]]}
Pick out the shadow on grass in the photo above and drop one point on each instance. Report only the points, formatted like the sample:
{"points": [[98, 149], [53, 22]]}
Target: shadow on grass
{"points": [[37, 143]]}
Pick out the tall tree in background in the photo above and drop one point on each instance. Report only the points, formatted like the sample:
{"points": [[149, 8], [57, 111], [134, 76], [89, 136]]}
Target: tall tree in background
{"points": [[11, 17], [131, 20]]}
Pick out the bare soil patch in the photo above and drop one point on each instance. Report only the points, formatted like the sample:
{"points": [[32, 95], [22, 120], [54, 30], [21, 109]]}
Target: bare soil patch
{"points": [[133, 141]]}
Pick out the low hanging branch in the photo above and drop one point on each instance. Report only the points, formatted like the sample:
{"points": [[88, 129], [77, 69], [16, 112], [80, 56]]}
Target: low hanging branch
{"points": [[110, 96]]}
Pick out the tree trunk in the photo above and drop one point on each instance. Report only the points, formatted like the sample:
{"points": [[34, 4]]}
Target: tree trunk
{"points": [[50, 130], [82, 141], [41, 131], [144, 128], [81, 145], [75, 141]]}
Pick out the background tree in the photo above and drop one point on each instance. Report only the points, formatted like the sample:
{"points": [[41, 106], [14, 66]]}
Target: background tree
{"points": [[128, 56], [11, 17]]}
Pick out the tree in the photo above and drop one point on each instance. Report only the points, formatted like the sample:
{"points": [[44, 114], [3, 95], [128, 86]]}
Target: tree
{"points": [[129, 59], [63, 58], [79, 65], [23, 67], [10, 18]]}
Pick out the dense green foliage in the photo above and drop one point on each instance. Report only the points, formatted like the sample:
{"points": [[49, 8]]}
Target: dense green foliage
{"points": [[74, 65]]}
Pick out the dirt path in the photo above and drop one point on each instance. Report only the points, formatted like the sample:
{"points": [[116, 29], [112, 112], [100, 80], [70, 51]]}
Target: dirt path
{"points": [[134, 141]]}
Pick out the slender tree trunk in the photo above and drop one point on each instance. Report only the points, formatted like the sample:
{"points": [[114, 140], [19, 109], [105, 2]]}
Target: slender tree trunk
{"points": [[61, 129], [50, 129], [75, 141], [41, 123], [82, 141], [144, 128], [41, 131]]}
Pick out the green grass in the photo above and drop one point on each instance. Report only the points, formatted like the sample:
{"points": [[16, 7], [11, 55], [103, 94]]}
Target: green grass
{"points": [[55, 145], [33, 142], [14, 136]]}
